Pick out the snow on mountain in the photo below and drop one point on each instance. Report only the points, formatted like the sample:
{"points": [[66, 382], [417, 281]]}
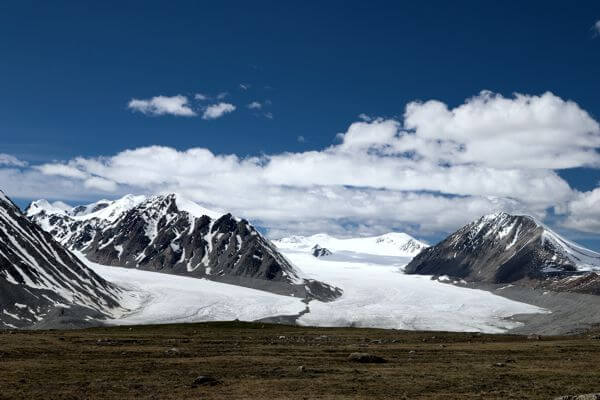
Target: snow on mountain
{"points": [[102, 209], [583, 259], [57, 207], [195, 209], [37, 274], [390, 244], [502, 248], [168, 233]]}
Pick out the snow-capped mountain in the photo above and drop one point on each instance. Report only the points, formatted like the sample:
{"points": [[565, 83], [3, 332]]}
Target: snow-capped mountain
{"points": [[391, 244], [37, 275], [168, 233], [502, 248]]}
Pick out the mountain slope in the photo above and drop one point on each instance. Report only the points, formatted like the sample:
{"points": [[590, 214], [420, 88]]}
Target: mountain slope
{"points": [[390, 244], [503, 248], [37, 275], [168, 233]]}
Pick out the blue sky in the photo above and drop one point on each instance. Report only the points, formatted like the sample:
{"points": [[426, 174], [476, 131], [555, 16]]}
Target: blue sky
{"points": [[70, 69]]}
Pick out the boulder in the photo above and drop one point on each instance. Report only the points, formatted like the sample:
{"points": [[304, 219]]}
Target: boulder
{"points": [[366, 358], [203, 380]]}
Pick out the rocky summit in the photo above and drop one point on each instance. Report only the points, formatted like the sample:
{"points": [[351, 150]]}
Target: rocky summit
{"points": [[319, 251], [504, 248], [167, 233]]}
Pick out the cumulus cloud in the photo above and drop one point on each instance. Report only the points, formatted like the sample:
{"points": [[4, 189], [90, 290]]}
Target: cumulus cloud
{"points": [[217, 110], [222, 95], [162, 105], [434, 170], [11, 161], [31, 183], [596, 28], [489, 129], [584, 212], [255, 105], [102, 184], [64, 170], [200, 97], [73, 170]]}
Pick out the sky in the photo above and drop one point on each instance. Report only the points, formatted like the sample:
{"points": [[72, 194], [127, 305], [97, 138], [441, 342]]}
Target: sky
{"points": [[351, 118]]}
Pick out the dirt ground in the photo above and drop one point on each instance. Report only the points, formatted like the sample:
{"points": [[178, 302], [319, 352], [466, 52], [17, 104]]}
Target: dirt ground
{"points": [[263, 361]]}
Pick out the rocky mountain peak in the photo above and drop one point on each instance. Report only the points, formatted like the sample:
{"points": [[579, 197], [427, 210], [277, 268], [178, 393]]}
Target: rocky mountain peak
{"points": [[501, 248], [169, 233]]}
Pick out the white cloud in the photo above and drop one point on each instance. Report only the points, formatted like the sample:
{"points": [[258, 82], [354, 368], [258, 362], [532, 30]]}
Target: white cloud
{"points": [[222, 95], [102, 184], [64, 170], [583, 213], [217, 110], [161, 105], [255, 105], [431, 172], [200, 97], [521, 132], [11, 161], [596, 28], [244, 86], [269, 115], [33, 184], [301, 139]]}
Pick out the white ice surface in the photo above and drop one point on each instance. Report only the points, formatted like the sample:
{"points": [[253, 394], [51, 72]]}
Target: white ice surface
{"points": [[157, 298], [376, 294], [194, 208], [381, 295]]}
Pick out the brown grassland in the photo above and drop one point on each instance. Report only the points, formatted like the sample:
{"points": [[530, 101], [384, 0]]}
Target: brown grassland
{"points": [[263, 361]]}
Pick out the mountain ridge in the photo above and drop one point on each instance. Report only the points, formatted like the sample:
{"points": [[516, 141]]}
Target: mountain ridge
{"points": [[390, 244], [168, 233], [505, 248], [38, 277]]}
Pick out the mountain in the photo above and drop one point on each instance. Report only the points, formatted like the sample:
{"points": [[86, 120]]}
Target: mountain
{"points": [[168, 233], [319, 251], [504, 248], [39, 279], [390, 244]]}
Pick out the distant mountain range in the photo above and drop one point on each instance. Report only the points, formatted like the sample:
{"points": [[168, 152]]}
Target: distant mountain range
{"points": [[391, 244], [504, 248], [168, 233], [43, 283], [39, 279]]}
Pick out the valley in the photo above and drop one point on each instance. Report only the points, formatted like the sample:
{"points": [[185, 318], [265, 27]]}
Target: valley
{"points": [[299, 200], [170, 260]]}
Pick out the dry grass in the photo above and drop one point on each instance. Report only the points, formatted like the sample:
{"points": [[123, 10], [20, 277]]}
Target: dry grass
{"points": [[261, 361]]}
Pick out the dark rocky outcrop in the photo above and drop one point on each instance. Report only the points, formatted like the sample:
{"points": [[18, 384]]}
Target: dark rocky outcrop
{"points": [[366, 358], [504, 248], [588, 283], [39, 277], [319, 251]]}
